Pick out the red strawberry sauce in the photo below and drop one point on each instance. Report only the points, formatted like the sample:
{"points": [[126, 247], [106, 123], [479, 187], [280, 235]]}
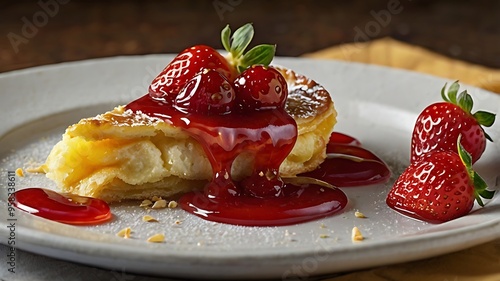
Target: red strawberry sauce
{"points": [[262, 199], [349, 164], [65, 208]]}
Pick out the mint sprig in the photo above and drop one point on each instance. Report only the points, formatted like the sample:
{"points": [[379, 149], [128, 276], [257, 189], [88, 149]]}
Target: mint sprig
{"points": [[239, 41]]}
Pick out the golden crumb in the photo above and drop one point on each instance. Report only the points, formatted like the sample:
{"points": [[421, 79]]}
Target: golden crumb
{"points": [[20, 172], [178, 222], [160, 204], [356, 235], [155, 198], [322, 225], [157, 238], [148, 218], [37, 170], [172, 204], [360, 215], [323, 236], [146, 203], [125, 233]]}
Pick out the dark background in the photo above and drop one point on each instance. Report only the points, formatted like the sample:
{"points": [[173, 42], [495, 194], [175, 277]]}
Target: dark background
{"points": [[71, 30]]}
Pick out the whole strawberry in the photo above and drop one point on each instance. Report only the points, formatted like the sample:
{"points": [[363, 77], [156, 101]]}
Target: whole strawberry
{"points": [[440, 124], [260, 88], [185, 66], [438, 187], [207, 93]]}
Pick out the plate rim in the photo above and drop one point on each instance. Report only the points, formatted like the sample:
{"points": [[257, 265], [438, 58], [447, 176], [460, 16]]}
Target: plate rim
{"points": [[439, 235]]}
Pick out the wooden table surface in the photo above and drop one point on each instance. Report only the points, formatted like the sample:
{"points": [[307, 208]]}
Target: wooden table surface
{"points": [[41, 32], [51, 31]]}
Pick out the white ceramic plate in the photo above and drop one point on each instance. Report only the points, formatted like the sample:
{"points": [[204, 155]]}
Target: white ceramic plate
{"points": [[377, 105]]}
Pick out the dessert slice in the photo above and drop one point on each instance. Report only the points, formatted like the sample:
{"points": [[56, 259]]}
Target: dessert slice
{"points": [[126, 154], [200, 122]]}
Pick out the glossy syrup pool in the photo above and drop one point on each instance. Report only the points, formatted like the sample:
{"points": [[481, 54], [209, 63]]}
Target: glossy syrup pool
{"points": [[65, 208], [29, 145]]}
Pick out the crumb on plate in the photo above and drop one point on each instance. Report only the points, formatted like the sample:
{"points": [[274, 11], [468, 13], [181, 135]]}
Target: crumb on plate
{"points": [[37, 170], [20, 172], [125, 233], [360, 215], [148, 218], [172, 204], [356, 235], [160, 204], [157, 238], [146, 203]]}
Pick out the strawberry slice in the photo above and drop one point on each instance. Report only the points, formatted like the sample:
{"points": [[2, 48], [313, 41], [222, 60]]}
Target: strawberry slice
{"points": [[438, 187], [440, 124]]}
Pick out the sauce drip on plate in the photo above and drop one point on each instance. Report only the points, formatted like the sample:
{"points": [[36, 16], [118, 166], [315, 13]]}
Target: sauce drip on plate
{"points": [[263, 198], [349, 164], [65, 208]]}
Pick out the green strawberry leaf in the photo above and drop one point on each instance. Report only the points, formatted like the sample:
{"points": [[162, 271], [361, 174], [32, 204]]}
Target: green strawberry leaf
{"points": [[465, 101], [487, 136], [485, 118], [450, 94], [480, 186], [444, 95], [480, 189], [465, 156]]}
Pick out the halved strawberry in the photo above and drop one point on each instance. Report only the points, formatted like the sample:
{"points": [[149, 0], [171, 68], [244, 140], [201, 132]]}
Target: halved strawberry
{"points": [[438, 187], [440, 124]]}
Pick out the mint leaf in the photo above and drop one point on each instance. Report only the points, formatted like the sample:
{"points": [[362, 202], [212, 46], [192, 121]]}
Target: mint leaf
{"points": [[225, 35], [240, 39], [261, 54]]}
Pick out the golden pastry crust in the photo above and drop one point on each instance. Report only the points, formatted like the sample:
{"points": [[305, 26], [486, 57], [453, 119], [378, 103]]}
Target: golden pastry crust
{"points": [[123, 154]]}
